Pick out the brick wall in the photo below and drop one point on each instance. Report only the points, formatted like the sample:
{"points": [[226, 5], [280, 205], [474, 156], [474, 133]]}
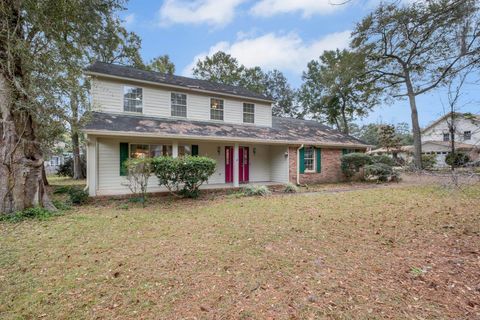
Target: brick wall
{"points": [[331, 171]]}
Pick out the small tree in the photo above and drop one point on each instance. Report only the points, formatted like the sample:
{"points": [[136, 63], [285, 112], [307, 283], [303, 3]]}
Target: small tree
{"points": [[138, 173], [387, 137]]}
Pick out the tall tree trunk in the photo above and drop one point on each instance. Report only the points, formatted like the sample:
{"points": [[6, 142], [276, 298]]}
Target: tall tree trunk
{"points": [[417, 136], [21, 159], [452, 138], [346, 129], [77, 161]]}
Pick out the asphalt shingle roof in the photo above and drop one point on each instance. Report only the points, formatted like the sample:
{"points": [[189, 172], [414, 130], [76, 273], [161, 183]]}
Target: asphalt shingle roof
{"points": [[283, 129], [167, 79]]}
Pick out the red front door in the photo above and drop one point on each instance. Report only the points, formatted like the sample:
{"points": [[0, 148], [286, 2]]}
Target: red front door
{"points": [[243, 164], [228, 164]]}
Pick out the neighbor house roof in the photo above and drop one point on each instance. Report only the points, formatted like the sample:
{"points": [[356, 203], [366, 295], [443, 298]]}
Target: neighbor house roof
{"points": [[283, 130], [409, 149], [470, 116], [124, 72]]}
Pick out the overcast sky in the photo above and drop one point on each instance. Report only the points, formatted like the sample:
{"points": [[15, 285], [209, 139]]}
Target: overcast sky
{"points": [[280, 34]]}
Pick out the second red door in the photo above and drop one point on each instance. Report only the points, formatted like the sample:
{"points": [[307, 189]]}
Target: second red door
{"points": [[243, 164]]}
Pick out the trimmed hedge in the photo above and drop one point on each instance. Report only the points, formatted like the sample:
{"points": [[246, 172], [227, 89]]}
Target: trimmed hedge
{"points": [[183, 175], [380, 172], [457, 159], [352, 162]]}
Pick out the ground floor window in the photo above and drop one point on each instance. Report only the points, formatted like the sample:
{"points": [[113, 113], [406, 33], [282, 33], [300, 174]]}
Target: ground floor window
{"points": [[309, 159], [184, 150], [150, 150]]}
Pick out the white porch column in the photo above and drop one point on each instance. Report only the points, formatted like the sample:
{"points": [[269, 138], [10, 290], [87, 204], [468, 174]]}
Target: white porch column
{"points": [[175, 149], [92, 166], [235, 166]]}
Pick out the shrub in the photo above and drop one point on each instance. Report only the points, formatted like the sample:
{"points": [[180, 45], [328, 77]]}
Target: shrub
{"points": [[457, 159], [380, 172], [30, 213], [193, 172], [183, 175], [429, 161], [78, 196], [352, 163], [383, 159], [290, 188], [256, 191], [138, 173], [66, 169]]}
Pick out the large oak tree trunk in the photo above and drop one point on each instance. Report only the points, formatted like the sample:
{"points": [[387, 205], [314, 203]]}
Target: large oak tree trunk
{"points": [[77, 161], [417, 135], [21, 159]]}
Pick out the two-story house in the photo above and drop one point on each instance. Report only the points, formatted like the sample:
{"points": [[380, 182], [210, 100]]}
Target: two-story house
{"points": [[436, 137], [142, 113]]}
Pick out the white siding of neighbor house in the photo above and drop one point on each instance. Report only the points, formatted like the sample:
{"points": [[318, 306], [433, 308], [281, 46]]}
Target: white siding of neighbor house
{"points": [[107, 96], [267, 164], [436, 132]]}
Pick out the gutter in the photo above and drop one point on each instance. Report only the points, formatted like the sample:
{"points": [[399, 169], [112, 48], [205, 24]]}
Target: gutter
{"points": [[298, 164]]}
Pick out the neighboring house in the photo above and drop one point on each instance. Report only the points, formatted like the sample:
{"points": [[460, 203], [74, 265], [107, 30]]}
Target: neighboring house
{"points": [[136, 112], [436, 136]]}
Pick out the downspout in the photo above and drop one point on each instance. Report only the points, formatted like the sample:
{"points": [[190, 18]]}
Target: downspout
{"points": [[298, 164]]}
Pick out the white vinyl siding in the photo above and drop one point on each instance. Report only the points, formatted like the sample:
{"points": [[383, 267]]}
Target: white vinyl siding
{"points": [[279, 164], [107, 96]]}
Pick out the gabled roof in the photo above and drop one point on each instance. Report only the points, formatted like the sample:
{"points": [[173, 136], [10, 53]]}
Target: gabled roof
{"points": [[283, 130], [470, 116], [125, 72]]}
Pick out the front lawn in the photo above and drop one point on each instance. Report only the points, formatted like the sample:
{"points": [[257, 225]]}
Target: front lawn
{"points": [[405, 252]]}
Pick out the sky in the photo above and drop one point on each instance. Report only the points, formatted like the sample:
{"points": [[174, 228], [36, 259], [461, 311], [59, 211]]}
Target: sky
{"points": [[272, 34]]}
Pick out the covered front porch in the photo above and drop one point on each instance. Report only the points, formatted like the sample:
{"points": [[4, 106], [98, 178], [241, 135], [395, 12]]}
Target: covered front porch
{"points": [[237, 162]]}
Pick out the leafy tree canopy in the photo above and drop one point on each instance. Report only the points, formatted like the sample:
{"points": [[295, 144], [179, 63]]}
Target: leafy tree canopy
{"points": [[223, 68], [336, 88], [161, 64]]}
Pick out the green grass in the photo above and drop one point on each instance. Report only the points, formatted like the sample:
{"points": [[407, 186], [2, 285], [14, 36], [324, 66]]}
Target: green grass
{"points": [[341, 256]]}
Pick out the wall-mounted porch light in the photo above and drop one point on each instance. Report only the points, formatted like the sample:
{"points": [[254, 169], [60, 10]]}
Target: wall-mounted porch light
{"points": [[218, 150], [254, 150]]}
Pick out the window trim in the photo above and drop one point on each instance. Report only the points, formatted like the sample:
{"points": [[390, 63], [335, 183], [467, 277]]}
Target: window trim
{"points": [[149, 147], [123, 98], [313, 170], [223, 109], [186, 104], [248, 113], [447, 136]]}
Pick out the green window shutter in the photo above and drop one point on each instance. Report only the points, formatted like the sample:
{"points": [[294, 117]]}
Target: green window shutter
{"points": [[302, 160], [319, 160], [194, 150], [344, 151], [123, 158]]}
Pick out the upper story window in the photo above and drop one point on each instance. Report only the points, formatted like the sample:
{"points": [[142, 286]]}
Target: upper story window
{"points": [[248, 113], [216, 109], [467, 135], [179, 104], [132, 99], [446, 137], [309, 159]]}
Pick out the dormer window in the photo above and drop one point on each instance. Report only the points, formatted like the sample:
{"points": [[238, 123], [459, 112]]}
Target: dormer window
{"points": [[132, 99], [248, 113], [216, 109], [179, 104]]}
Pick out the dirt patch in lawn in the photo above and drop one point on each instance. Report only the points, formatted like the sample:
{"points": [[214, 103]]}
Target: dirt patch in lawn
{"points": [[408, 252]]}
